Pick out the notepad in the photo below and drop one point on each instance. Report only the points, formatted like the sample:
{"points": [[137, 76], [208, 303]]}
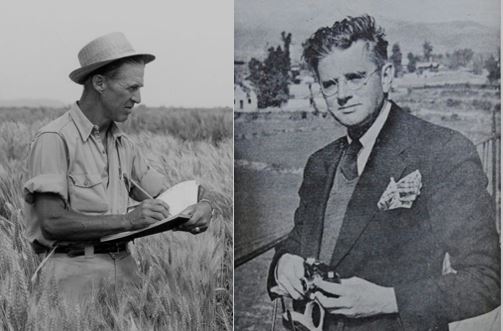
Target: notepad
{"points": [[178, 197]]}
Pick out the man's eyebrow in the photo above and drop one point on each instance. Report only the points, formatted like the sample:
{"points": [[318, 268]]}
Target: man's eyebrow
{"points": [[355, 74], [134, 84], [348, 75]]}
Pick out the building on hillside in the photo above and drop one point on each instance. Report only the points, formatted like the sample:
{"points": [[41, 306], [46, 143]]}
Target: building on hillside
{"points": [[294, 73], [305, 89], [422, 67], [245, 98]]}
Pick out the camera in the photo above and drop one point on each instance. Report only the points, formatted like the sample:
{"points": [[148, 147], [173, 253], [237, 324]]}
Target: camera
{"points": [[314, 269], [313, 316]]}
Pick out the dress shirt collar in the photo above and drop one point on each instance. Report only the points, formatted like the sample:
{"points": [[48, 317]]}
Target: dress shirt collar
{"points": [[85, 127], [368, 139]]}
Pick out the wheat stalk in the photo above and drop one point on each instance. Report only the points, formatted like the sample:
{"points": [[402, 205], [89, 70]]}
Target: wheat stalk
{"points": [[178, 291]]}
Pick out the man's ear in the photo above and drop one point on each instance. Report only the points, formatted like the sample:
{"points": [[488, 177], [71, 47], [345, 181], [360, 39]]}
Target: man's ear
{"points": [[99, 83], [387, 74]]}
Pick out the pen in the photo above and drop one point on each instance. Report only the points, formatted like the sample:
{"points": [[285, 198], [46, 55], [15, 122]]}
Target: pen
{"points": [[135, 184]]}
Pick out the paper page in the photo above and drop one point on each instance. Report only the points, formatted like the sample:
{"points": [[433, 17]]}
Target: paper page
{"points": [[180, 196]]}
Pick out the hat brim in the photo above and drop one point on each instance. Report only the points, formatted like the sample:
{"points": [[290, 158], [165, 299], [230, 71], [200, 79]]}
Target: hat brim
{"points": [[79, 75]]}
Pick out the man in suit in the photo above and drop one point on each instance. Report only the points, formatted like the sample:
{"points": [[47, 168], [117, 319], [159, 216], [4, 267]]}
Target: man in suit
{"points": [[388, 248]]}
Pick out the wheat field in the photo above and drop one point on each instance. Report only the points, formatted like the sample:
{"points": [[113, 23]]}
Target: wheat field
{"points": [[187, 279]]}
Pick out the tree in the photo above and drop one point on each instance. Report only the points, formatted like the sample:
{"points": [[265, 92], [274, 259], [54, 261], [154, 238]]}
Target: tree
{"points": [[287, 41], [460, 58], [411, 66], [478, 64], [437, 57], [396, 58], [271, 77], [427, 50], [256, 71], [259, 80], [492, 65]]}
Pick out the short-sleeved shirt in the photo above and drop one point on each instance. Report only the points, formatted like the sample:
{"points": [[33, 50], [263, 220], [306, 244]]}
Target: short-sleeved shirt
{"points": [[67, 157]]}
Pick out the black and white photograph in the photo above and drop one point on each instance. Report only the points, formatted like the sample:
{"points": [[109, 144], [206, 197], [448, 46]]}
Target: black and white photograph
{"points": [[116, 165], [367, 165]]}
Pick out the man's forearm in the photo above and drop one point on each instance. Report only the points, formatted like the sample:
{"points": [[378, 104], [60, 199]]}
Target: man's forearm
{"points": [[73, 226], [63, 224]]}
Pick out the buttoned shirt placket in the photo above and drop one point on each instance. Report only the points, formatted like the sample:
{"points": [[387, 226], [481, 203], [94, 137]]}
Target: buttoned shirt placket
{"points": [[110, 173]]}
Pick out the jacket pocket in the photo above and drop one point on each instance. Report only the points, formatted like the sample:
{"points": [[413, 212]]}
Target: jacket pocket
{"points": [[87, 193]]}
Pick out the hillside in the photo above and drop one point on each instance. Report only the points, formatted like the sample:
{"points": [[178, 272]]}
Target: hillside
{"points": [[252, 41], [31, 103]]}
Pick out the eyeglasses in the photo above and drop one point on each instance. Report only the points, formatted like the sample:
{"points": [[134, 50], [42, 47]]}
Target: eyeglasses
{"points": [[353, 82]]}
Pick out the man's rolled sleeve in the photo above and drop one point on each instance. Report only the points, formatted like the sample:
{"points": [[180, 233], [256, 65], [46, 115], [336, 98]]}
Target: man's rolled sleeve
{"points": [[47, 167], [148, 178]]}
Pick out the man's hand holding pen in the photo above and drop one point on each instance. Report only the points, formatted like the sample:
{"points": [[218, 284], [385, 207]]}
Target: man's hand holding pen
{"points": [[147, 212], [152, 210]]}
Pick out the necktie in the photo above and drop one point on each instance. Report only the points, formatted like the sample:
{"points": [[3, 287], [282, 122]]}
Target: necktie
{"points": [[349, 160]]}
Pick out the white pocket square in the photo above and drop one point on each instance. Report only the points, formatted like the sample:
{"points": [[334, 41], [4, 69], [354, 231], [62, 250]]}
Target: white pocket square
{"points": [[401, 194]]}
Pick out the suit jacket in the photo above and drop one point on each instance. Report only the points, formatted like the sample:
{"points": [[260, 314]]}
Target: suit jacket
{"points": [[405, 248]]}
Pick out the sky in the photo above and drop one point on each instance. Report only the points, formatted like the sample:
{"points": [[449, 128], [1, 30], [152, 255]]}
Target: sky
{"points": [[192, 40], [279, 11]]}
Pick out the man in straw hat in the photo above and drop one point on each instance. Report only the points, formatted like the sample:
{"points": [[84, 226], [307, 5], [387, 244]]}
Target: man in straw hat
{"points": [[81, 167]]}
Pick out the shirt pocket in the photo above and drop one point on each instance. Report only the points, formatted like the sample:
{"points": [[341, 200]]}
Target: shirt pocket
{"points": [[87, 193]]}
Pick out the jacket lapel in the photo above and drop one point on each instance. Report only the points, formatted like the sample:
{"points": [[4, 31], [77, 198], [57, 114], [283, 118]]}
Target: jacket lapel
{"points": [[385, 161], [313, 229]]}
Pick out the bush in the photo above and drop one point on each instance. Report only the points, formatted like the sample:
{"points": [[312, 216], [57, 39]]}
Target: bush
{"points": [[453, 102], [482, 104], [298, 115], [407, 109]]}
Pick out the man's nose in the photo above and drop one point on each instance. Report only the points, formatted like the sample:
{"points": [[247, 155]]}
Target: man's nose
{"points": [[343, 100], [136, 97], [343, 94]]}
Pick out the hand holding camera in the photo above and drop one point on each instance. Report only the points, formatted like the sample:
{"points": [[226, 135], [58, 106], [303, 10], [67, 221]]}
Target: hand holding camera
{"points": [[300, 277], [314, 271], [296, 276]]}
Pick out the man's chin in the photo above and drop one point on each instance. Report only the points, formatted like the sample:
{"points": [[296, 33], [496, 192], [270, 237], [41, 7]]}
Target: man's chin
{"points": [[126, 113], [122, 117]]}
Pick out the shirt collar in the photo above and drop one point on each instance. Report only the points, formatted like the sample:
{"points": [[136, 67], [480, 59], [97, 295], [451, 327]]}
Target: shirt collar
{"points": [[85, 127], [116, 131], [368, 139]]}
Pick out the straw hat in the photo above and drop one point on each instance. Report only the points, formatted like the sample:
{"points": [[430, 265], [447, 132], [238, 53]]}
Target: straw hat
{"points": [[102, 51]]}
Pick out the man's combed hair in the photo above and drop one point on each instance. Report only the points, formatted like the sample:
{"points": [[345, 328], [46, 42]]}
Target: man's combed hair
{"points": [[342, 35]]}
